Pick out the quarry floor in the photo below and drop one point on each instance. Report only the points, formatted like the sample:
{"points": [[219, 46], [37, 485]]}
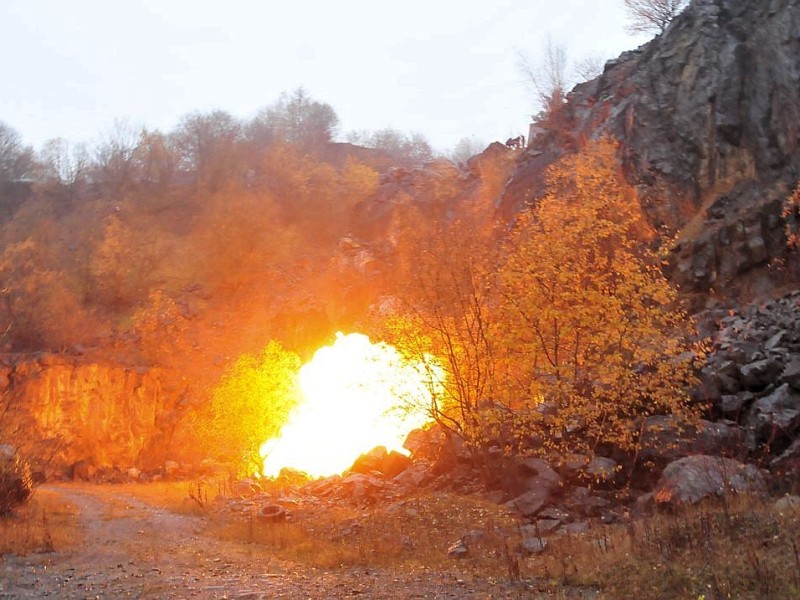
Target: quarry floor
{"points": [[131, 548]]}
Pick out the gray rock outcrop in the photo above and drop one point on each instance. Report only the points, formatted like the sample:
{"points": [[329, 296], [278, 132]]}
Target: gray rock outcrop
{"points": [[708, 116]]}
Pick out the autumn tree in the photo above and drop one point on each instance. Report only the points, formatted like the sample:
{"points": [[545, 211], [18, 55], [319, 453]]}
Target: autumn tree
{"points": [[296, 119], [549, 80], [312, 194], [207, 145], [155, 160], [250, 405], [591, 334], [405, 149], [652, 16], [239, 244], [547, 77], [449, 320], [122, 264], [791, 215], [160, 326], [16, 160], [114, 165], [445, 272], [63, 168], [40, 306]]}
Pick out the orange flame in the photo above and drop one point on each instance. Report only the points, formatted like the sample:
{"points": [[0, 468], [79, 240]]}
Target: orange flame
{"points": [[355, 395]]}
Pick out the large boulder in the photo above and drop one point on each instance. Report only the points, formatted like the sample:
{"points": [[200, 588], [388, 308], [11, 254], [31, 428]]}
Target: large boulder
{"points": [[664, 438], [759, 374], [535, 484], [602, 472], [361, 488], [787, 465], [443, 448], [370, 462], [380, 461], [531, 502], [723, 438], [15, 479], [693, 478], [536, 470], [774, 418], [516, 475], [791, 373]]}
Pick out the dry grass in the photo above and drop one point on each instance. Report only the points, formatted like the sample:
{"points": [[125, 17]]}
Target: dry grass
{"points": [[409, 534], [182, 497], [740, 549], [743, 548], [44, 524]]}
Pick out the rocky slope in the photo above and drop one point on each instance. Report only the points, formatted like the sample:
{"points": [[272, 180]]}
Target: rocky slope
{"points": [[708, 116], [752, 379]]}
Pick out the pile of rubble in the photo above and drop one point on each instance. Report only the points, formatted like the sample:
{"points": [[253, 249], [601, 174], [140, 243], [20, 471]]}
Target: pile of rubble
{"points": [[752, 379]]}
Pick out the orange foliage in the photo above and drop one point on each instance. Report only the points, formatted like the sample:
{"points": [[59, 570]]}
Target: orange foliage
{"points": [[40, 305], [161, 327], [791, 214], [588, 322]]}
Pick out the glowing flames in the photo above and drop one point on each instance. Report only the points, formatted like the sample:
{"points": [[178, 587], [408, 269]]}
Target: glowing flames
{"points": [[356, 395]]}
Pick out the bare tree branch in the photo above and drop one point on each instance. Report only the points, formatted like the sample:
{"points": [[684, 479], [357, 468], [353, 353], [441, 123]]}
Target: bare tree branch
{"points": [[652, 16], [589, 68], [548, 77]]}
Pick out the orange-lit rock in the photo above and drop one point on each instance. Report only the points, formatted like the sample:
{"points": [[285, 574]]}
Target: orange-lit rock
{"points": [[69, 411]]}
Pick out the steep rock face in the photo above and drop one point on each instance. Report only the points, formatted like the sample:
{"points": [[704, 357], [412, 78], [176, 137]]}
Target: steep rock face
{"points": [[708, 116], [63, 411]]}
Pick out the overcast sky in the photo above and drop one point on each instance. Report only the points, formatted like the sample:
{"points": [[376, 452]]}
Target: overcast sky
{"points": [[445, 68]]}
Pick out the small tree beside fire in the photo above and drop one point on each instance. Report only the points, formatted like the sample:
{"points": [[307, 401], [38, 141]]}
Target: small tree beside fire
{"points": [[250, 405], [446, 281]]}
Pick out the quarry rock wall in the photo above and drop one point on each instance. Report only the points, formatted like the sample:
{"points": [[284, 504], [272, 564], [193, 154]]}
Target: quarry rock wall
{"points": [[60, 410]]}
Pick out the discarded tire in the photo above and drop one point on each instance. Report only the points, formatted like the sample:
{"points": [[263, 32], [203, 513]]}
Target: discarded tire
{"points": [[272, 513], [15, 479]]}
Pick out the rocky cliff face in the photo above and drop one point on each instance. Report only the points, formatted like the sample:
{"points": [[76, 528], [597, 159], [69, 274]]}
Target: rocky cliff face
{"points": [[708, 116], [61, 410]]}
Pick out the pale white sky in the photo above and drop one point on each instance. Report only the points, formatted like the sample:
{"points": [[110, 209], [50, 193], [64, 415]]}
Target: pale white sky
{"points": [[444, 68]]}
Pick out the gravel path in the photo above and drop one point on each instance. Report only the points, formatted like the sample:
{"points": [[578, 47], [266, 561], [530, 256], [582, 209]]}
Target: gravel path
{"points": [[135, 550]]}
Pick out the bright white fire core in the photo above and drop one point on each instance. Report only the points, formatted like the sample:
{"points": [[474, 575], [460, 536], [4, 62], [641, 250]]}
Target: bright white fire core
{"points": [[356, 395]]}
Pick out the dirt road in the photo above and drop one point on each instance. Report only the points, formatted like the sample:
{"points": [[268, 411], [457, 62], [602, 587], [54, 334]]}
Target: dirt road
{"points": [[132, 549]]}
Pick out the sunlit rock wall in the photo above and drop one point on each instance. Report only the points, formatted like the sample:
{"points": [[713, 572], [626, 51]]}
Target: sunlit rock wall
{"points": [[63, 410]]}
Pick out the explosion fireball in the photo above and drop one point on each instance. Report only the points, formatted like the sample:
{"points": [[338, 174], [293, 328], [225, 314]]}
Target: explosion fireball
{"points": [[356, 395]]}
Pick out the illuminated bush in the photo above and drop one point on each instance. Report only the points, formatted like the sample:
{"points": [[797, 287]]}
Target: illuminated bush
{"points": [[249, 405], [15, 479]]}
